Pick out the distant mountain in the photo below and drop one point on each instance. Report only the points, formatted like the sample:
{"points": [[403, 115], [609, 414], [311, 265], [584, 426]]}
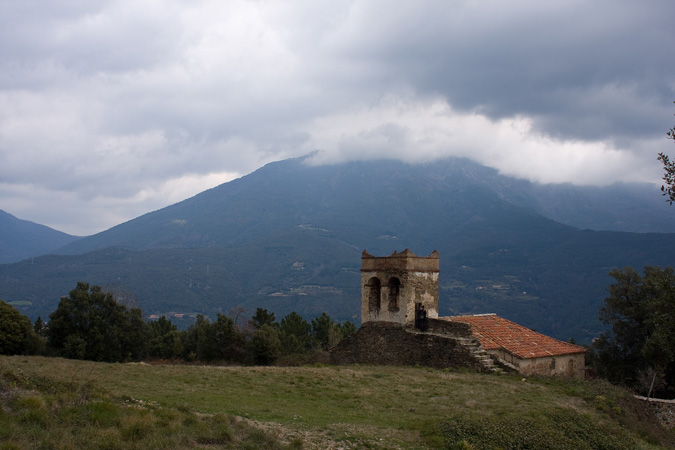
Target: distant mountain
{"points": [[631, 207], [289, 237], [229, 214], [21, 239]]}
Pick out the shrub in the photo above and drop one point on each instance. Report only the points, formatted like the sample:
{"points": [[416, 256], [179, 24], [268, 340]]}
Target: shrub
{"points": [[558, 429]]}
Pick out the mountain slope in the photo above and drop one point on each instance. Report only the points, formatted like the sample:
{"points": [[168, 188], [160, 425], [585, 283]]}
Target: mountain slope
{"points": [[289, 193], [21, 239], [289, 237], [620, 207]]}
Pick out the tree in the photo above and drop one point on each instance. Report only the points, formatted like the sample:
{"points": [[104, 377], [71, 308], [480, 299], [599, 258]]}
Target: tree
{"points": [[165, 342], [217, 341], [641, 312], [295, 334], [200, 341], [16, 332], [40, 327], [263, 317], [337, 332], [323, 329], [668, 188], [229, 340], [90, 324], [265, 345]]}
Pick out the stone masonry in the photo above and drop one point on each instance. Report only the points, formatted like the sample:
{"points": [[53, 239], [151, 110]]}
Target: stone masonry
{"points": [[386, 343], [393, 289]]}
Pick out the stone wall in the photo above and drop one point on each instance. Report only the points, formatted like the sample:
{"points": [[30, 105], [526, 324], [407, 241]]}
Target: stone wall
{"points": [[400, 262], [564, 365], [385, 343], [664, 410], [452, 329]]}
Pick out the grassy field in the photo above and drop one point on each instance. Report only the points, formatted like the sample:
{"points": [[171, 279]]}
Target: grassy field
{"points": [[58, 403]]}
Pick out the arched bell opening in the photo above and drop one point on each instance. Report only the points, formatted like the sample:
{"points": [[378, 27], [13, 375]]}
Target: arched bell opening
{"points": [[374, 292], [394, 286]]}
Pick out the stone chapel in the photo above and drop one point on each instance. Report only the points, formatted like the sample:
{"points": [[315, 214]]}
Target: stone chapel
{"points": [[394, 289]]}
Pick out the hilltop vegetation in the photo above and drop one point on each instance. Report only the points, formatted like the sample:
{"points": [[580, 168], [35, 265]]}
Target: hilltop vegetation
{"points": [[51, 402], [90, 324]]}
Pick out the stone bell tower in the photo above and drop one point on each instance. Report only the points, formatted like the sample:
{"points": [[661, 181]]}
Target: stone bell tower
{"points": [[394, 287]]}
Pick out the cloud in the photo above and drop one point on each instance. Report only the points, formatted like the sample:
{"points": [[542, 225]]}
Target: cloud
{"points": [[426, 131], [108, 103]]}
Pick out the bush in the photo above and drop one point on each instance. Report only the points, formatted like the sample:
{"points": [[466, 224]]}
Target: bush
{"points": [[558, 429], [16, 332]]}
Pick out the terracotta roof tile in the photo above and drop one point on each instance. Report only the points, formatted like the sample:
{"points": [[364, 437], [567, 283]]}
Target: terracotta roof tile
{"points": [[495, 332]]}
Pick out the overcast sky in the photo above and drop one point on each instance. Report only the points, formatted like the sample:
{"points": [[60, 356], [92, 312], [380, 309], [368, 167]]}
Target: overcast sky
{"points": [[111, 109]]}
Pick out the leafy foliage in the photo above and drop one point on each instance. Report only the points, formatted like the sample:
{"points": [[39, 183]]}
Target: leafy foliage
{"points": [[263, 317], [165, 342], [16, 332], [265, 345], [90, 324], [641, 312], [296, 334], [214, 341], [322, 327], [668, 188]]}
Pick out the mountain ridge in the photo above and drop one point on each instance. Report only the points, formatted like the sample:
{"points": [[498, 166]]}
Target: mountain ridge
{"points": [[536, 198], [21, 239], [289, 236]]}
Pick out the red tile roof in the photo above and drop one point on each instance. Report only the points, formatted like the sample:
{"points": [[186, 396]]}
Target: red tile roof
{"points": [[495, 333]]}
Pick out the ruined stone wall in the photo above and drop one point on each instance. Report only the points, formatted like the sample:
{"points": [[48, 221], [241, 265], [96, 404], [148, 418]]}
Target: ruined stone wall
{"points": [[384, 343], [401, 262], [664, 410]]}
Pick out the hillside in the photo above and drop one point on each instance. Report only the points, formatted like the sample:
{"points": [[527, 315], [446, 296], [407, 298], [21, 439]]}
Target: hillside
{"points": [[289, 238], [22, 239], [85, 405]]}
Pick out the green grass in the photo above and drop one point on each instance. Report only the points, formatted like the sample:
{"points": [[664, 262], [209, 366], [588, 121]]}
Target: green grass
{"points": [[165, 406]]}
